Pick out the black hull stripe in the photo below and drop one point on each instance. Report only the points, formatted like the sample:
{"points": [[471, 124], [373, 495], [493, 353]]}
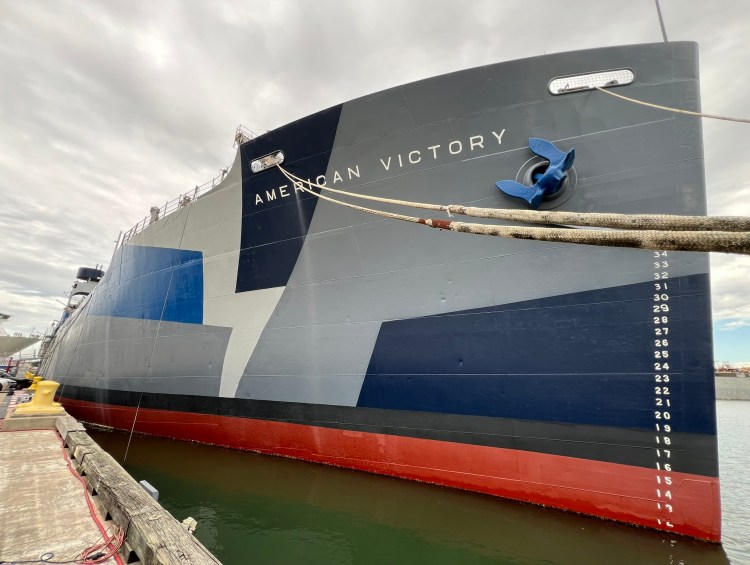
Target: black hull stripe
{"points": [[690, 453]]}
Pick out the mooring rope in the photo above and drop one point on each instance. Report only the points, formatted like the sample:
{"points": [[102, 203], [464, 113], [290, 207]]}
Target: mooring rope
{"points": [[586, 219], [677, 110], [716, 241]]}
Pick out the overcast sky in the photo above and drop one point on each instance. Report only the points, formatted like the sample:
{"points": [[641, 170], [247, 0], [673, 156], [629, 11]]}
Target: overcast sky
{"points": [[108, 108]]}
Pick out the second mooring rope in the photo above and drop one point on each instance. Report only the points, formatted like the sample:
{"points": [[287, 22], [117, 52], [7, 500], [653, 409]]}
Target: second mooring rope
{"points": [[672, 240], [586, 219]]}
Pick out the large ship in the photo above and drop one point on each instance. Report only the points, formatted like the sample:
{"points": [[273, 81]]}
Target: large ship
{"points": [[258, 316], [11, 344], [12, 360]]}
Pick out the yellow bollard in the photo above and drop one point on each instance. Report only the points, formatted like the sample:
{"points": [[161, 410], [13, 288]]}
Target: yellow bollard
{"points": [[37, 379], [43, 401]]}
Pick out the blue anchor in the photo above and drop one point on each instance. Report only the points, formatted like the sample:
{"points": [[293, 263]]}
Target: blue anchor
{"points": [[547, 183]]}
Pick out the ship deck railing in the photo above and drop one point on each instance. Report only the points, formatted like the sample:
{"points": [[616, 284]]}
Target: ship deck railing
{"points": [[242, 135], [183, 200]]}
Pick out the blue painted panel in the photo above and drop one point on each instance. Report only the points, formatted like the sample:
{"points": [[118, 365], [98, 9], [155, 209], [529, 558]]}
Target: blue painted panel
{"points": [[138, 260], [578, 358], [153, 283], [185, 297]]}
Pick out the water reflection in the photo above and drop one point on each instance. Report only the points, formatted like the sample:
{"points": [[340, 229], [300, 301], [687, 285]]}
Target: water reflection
{"points": [[733, 419]]}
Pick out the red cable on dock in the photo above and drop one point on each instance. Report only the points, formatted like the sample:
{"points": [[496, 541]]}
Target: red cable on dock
{"points": [[119, 537]]}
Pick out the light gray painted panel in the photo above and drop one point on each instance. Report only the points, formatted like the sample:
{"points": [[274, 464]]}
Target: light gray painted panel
{"points": [[428, 247], [118, 353], [567, 117], [368, 155], [311, 356], [329, 218], [190, 355], [123, 358], [322, 363], [672, 188], [341, 330], [179, 328], [332, 255], [126, 384], [525, 80], [341, 390], [374, 115], [183, 384], [106, 328]]}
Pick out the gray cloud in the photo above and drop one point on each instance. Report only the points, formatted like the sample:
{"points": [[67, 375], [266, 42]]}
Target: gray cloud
{"points": [[107, 108]]}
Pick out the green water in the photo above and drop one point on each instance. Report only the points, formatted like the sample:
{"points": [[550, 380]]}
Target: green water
{"points": [[260, 509]]}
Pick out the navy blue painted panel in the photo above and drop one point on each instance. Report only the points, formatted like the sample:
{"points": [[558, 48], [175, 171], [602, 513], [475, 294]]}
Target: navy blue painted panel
{"points": [[298, 140], [270, 219], [267, 266], [697, 356], [579, 358], [155, 283], [262, 227]]}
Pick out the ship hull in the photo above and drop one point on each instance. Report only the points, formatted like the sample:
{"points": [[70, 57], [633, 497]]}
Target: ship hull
{"points": [[259, 317], [598, 488]]}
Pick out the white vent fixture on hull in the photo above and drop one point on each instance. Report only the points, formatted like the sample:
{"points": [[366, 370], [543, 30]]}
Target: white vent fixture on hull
{"points": [[590, 81], [267, 161]]}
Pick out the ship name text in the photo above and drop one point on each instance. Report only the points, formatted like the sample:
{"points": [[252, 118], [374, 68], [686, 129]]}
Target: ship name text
{"points": [[416, 157]]}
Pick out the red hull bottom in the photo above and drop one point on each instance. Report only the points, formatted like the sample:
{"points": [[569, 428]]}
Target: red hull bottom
{"points": [[675, 502]]}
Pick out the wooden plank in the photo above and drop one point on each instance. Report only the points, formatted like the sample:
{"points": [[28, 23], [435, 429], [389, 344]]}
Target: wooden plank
{"points": [[166, 544], [152, 532], [66, 424], [81, 444], [120, 494]]}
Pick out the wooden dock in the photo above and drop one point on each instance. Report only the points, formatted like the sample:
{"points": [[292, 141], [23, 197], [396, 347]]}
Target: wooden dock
{"points": [[44, 511], [60, 494]]}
